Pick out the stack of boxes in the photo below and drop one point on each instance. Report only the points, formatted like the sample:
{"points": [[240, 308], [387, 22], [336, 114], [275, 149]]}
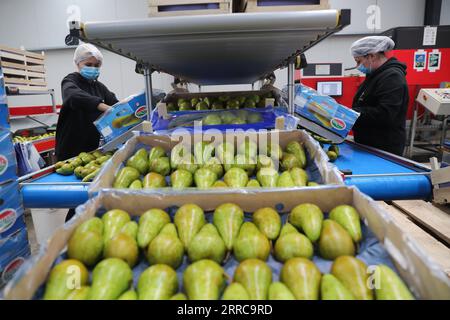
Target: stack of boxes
{"points": [[14, 246]]}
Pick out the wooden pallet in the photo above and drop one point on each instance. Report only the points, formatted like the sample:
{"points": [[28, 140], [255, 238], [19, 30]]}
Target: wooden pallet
{"points": [[22, 69], [303, 5], [158, 8], [406, 215]]}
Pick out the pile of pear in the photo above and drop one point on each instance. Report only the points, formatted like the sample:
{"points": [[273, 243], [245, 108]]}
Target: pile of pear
{"points": [[111, 246], [216, 166]]}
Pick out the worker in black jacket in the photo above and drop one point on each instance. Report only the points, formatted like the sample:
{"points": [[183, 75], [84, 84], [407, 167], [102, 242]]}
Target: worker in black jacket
{"points": [[382, 99], [84, 100]]}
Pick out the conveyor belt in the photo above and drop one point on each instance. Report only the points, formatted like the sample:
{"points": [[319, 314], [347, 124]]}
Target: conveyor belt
{"points": [[361, 162], [54, 191]]}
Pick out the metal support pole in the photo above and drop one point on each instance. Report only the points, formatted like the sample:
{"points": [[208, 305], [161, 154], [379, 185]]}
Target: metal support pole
{"points": [[291, 86], [444, 131], [253, 86], [199, 88], [148, 91], [412, 132], [52, 95]]}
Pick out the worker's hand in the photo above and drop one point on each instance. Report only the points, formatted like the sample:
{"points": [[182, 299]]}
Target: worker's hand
{"points": [[103, 107]]}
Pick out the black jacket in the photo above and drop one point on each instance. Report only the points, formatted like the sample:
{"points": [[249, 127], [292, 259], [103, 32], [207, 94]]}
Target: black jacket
{"points": [[382, 99], [75, 130]]}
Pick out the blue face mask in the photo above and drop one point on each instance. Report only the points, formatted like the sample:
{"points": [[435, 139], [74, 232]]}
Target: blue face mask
{"points": [[364, 69], [90, 73]]}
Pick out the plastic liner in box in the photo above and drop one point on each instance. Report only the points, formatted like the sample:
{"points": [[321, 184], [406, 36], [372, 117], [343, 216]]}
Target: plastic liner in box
{"points": [[424, 277], [264, 119]]}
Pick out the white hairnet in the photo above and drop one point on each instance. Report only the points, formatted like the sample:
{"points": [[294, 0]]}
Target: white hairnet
{"points": [[371, 44], [85, 51]]}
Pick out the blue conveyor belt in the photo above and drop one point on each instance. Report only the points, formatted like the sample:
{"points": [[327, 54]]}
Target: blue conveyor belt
{"points": [[361, 161], [54, 196]]}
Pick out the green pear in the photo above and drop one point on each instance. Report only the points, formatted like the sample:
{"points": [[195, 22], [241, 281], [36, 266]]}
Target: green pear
{"points": [[285, 180], [353, 274], [178, 153], [189, 219], [287, 228], [68, 271], [113, 222], [136, 185], [160, 165], [332, 289], [150, 224], [166, 248], [349, 219], [215, 166], [267, 177], [268, 222], [292, 244], [254, 117], [204, 178], [111, 277], [179, 296], [255, 276], [207, 244], [158, 282], [245, 163], [238, 120], [313, 184], [228, 161], [228, 219], [253, 183], [302, 277], [307, 217], [335, 241], [204, 280], [188, 163], [236, 178], [251, 243], [154, 180], [299, 176], [263, 161], [139, 162], [390, 286], [124, 247], [289, 161], [274, 151], [227, 117], [79, 294], [249, 148], [129, 295], [298, 151], [235, 291], [85, 246], [279, 291], [211, 120], [203, 151], [224, 149], [155, 153], [93, 224], [130, 228], [201, 106], [219, 184], [181, 179]]}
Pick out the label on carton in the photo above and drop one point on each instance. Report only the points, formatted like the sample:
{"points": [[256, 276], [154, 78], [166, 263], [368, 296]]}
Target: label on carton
{"points": [[7, 219], [3, 164], [11, 268]]}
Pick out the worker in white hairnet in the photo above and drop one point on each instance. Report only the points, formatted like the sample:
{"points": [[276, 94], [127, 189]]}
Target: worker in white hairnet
{"points": [[382, 99], [84, 100]]}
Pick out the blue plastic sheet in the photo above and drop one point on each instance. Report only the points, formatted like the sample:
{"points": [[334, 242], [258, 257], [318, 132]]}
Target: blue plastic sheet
{"points": [[187, 119], [370, 251]]}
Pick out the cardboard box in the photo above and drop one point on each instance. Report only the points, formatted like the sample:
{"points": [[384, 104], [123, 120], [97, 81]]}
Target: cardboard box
{"points": [[323, 111], [8, 165], [422, 275], [327, 171], [11, 210], [169, 8], [14, 250], [121, 117]]}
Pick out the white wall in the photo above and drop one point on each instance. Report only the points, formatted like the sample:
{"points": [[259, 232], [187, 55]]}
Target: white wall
{"points": [[42, 24], [445, 12]]}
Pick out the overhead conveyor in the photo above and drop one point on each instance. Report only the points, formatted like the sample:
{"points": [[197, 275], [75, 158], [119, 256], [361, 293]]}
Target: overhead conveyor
{"points": [[215, 49]]}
